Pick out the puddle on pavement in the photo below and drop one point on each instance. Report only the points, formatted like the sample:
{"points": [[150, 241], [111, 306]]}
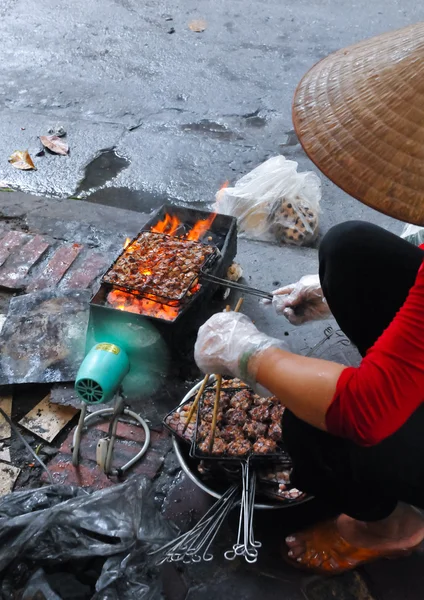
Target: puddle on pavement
{"points": [[107, 165], [137, 200]]}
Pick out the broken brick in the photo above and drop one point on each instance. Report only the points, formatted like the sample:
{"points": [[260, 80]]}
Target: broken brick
{"points": [[9, 242], [84, 275], [87, 474], [13, 273], [56, 268]]}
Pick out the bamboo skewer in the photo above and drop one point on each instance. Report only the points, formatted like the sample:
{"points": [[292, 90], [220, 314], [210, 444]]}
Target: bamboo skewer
{"points": [[206, 379], [215, 410], [196, 401], [218, 391]]}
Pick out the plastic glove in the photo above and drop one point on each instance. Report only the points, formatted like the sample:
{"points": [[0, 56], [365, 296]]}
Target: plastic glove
{"points": [[227, 344], [302, 301]]}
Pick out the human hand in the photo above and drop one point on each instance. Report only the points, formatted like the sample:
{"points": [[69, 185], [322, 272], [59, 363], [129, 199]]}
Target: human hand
{"points": [[302, 301], [226, 343]]}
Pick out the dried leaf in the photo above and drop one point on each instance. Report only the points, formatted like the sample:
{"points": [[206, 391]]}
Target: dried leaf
{"points": [[198, 25], [54, 144], [21, 159]]}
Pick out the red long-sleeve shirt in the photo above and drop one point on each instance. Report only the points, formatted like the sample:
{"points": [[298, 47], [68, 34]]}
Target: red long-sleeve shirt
{"points": [[373, 400]]}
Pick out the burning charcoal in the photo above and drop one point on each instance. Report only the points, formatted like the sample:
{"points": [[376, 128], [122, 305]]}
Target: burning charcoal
{"points": [[231, 433], [277, 412], [275, 432], [235, 416], [255, 429], [260, 413], [242, 400], [239, 447], [264, 446], [219, 446]]}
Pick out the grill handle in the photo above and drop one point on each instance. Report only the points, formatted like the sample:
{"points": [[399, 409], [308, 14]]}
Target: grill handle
{"points": [[236, 286]]}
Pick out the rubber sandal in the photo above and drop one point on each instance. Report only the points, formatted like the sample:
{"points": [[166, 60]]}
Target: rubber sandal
{"points": [[328, 553]]}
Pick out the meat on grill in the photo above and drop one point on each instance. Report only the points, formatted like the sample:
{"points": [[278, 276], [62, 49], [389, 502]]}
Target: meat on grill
{"points": [[239, 447], [242, 400], [264, 446], [275, 432], [160, 265], [255, 429]]}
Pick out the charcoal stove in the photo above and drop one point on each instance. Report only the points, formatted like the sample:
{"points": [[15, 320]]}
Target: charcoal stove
{"points": [[132, 329]]}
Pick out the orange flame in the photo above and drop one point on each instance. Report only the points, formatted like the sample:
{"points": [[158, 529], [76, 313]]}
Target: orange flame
{"points": [[200, 228], [169, 225], [150, 306]]}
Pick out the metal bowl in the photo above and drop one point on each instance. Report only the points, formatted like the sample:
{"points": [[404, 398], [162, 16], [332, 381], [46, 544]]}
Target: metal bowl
{"points": [[184, 460]]}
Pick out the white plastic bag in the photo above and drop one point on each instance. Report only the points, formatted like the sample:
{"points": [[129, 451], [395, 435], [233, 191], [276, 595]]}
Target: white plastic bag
{"points": [[274, 202], [413, 234]]}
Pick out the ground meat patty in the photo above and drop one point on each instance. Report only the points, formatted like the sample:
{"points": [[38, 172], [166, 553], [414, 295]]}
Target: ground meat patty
{"points": [[275, 432], [260, 413], [207, 415], [242, 400], [219, 446], [177, 422], [230, 433], [239, 448], [208, 400], [235, 416], [255, 429], [264, 446], [277, 412], [259, 401]]}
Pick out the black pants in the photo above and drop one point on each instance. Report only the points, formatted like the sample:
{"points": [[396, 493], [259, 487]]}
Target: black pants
{"points": [[366, 273]]}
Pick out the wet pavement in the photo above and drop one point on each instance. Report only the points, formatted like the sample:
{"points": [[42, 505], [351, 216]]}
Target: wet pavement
{"points": [[155, 113]]}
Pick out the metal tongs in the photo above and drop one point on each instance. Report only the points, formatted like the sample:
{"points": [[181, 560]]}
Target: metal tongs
{"points": [[236, 286]]}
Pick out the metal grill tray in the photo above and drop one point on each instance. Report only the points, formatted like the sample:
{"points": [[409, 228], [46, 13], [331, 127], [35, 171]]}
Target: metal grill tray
{"points": [[146, 290], [174, 411], [281, 455]]}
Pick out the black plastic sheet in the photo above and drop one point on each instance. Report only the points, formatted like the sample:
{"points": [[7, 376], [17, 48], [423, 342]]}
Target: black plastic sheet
{"points": [[58, 524]]}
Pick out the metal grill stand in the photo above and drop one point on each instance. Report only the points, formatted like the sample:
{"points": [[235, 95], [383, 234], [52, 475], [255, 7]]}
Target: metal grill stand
{"points": [[104, 453]]}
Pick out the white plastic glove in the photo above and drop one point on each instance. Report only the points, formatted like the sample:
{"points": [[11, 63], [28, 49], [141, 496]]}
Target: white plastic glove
{"points": [[226, 344], [302, 301]]}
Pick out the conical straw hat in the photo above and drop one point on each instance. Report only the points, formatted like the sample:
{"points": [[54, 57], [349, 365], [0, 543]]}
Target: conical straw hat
{"points": [[359, 115]]}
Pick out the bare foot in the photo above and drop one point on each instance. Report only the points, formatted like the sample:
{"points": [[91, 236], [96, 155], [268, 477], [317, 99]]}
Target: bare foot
{"points": [[347, 542]]}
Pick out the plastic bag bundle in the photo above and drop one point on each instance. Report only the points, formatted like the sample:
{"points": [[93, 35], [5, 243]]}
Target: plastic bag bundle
{"points": [[413, 234], [274, 202]]}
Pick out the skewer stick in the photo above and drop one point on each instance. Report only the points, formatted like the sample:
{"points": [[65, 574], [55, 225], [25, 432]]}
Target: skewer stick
{"points": [[196, 401], [200, 390], [218, 390], [239, 305], [215, 410]]}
